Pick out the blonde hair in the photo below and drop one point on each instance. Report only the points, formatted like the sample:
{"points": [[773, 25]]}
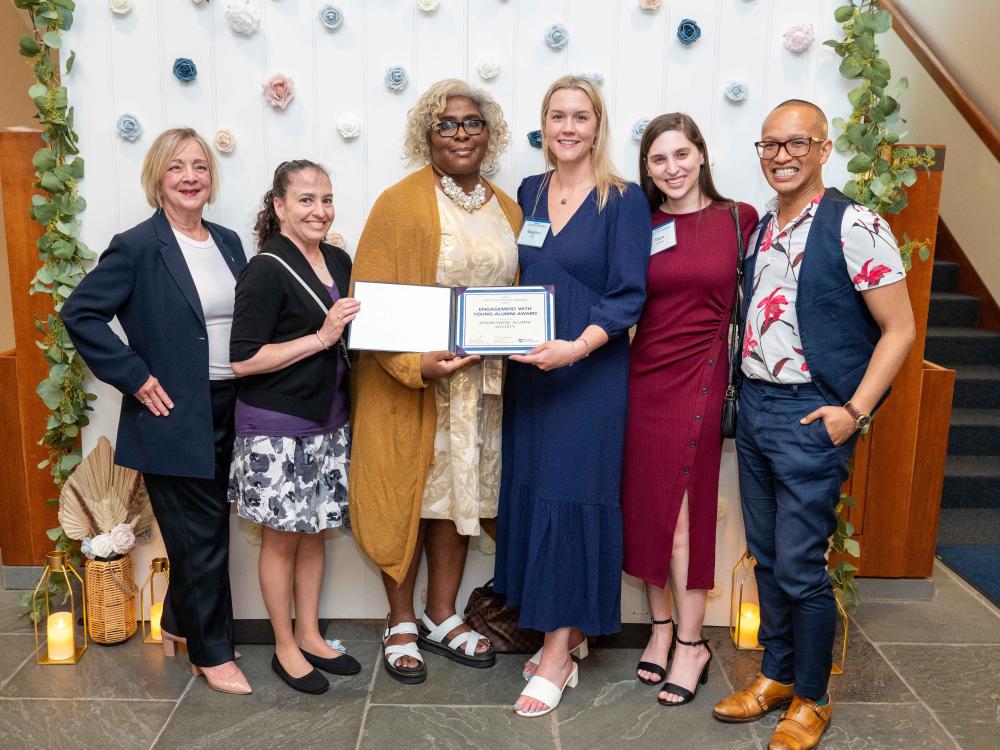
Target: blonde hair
{"points": [[605, 174], [433, 102], [162, 152]]}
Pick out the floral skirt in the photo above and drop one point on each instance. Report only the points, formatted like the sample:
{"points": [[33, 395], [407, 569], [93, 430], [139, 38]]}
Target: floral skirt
{"points": [[292, 484]]}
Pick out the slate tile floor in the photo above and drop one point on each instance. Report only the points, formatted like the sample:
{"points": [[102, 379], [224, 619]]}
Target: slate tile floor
{"points": [[919, 675]]}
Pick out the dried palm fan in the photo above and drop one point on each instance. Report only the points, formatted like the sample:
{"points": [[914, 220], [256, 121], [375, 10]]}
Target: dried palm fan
{"points": [[100, 495]]}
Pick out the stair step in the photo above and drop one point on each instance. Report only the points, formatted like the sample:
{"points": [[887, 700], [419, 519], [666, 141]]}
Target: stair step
{"points": [[971, 482], [974, 432], [948, 346], [945, 277], [977, 387], [951, 309]]}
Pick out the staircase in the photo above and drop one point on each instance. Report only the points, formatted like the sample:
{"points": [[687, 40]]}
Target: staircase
{"points": [[972, 471]]}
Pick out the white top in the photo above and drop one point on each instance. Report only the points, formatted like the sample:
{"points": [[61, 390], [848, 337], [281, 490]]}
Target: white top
{"points": [[217, 292], [772, 349]]}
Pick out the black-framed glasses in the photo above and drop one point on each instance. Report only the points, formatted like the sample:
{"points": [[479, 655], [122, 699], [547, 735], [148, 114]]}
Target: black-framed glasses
{"points": [[793, 146], [449, 128]]}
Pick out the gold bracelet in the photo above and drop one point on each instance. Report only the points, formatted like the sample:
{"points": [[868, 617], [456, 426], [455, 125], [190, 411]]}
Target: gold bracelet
{"points": [[572, 348], [321, 341], [586, 344]]}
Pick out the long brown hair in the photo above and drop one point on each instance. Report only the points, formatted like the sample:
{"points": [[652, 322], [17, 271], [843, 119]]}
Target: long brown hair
{"points": [[267, 224], [657, 127]]}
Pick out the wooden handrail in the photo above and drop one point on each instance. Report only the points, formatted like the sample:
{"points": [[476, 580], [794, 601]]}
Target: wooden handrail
{"points": [[957, 95]]}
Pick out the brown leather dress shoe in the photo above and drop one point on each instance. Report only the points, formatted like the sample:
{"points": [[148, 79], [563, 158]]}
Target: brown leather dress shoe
{"points": [[801, 726], [761, 696]]}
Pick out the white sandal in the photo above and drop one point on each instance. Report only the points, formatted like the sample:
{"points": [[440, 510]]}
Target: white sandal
{"points": [[545, 691], [461, 648], [392, 654], [580, 651]]}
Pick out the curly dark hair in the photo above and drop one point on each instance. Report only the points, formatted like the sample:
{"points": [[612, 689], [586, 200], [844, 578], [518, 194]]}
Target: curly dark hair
{"points": [[267, 225]]}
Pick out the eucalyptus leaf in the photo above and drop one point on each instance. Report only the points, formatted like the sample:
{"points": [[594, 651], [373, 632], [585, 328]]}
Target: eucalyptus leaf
{"points": [[844, 13], [28, 46], [52, 39], [859, 163]]}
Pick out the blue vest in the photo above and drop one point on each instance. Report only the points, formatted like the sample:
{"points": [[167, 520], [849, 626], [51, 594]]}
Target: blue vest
{"points": [[838, 333]]}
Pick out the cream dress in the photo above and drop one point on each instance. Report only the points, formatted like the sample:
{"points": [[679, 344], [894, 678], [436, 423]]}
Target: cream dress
{"points": [[463, 483]]}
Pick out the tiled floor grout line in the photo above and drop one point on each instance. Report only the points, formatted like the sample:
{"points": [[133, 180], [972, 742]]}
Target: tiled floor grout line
{"points": [[368, 700], [554, 726], [969, 589], [902, 679], [935, 645], [441, 705], [17, 669], [84, 699], [177, 704]]}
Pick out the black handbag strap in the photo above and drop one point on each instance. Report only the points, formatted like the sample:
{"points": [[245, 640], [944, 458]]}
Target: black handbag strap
{"points": [[734, 318]]}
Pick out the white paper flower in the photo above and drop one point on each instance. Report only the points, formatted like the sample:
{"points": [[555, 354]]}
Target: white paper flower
{"points": [[331, 16], [428, 6], [122, 538], [243, 17], [336, 239], [649, 4], [556, 36], [225, 141], [396, 78], [488, 67], [349, 127], [120, 7], [593, 76], [102, 546], [128, 127], [799, 37], [639, 127], [736, 91]]}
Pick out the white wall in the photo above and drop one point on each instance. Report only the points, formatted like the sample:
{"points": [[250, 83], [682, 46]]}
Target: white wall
{"points": [[124, 66]]}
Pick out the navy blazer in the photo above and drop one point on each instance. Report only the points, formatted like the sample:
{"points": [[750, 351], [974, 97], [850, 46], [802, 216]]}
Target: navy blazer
{"points": [[143, 279]]}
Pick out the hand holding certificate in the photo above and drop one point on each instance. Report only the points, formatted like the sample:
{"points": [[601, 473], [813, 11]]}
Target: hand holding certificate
{"points": [[463, 320]]}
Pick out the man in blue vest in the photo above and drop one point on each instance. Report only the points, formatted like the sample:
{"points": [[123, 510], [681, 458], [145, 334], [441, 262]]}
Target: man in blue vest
{"points": [[826, 324]]}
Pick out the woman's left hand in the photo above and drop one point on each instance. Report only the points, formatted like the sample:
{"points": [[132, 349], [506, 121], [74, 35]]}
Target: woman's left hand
{"points": [[550, 355]]}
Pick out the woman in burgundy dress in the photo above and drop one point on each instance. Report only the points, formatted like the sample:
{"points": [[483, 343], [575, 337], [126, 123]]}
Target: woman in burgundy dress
{"points": [[677, 379]]}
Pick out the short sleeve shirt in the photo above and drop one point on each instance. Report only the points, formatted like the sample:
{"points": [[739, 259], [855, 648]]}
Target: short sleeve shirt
{"points": [[772, 349]]}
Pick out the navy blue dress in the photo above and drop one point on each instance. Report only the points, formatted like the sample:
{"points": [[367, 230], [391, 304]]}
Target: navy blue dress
{"points": [[559, 525]]}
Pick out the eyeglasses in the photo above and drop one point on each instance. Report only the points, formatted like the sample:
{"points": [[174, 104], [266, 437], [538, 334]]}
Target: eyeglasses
{"points": [[793, 147], [449, 128]]}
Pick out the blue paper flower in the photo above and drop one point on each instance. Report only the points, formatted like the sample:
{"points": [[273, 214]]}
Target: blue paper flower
{"points": [[331, 16], [556, 36], [535, 138], [128, 127], [396, 78], [594, 76], [639, 127], [85, 547], [736, 91], [185, 70], [688, 31]]}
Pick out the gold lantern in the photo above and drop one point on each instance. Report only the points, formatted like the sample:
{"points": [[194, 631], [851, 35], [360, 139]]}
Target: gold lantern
{"points": [[151, 604], [744, 615], [60, 625]]}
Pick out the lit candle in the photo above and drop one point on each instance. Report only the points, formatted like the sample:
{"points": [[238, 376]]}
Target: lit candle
{"points": [[155, 613], [59, 631], [749, 625]]}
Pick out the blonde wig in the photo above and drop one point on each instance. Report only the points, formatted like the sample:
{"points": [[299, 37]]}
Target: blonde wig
{"points": [[432, 103], [605, 174], [162, 152]]}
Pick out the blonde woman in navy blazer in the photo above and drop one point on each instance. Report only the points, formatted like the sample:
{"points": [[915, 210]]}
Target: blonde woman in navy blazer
{"points": [[170, 281]]}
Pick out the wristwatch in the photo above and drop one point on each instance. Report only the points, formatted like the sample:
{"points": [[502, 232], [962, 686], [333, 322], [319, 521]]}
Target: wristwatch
{"points": [[861, 421]]}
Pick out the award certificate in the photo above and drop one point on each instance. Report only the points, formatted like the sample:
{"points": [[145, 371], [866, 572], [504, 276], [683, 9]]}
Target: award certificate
{"points": [[504, 320]]}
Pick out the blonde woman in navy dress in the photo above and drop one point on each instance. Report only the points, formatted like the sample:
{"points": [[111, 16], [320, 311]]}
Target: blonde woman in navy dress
{"points": [[559, 535]]}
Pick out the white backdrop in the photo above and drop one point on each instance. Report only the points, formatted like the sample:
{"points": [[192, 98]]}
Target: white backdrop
{"points": [[124, 65]]}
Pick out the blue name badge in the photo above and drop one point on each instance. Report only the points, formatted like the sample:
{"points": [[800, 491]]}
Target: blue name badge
{"points": [[534, 232], [664, 237]]}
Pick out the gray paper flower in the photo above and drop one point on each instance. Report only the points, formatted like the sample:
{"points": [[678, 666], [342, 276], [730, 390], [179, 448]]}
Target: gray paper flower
{"points": [[535, 138], [639, 127], [736, 91], [128, 127], [185, 70], [331, 16], [688, 31], [593, 76], [556, 36], [396, 78]]}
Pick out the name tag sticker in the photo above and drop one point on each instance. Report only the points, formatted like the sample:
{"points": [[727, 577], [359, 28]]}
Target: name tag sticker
{"points": [[664, 237], [534, 232]]}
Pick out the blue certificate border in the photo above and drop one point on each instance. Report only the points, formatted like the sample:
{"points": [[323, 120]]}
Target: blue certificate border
{"points": [[461, 349]]}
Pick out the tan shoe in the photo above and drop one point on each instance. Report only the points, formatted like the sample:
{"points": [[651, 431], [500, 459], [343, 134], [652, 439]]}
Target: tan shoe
{"points": [[760, 697], [801, 726]]}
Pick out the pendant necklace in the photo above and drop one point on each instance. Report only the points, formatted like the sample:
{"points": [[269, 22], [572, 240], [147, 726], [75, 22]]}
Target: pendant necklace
{"points": [[469, 201]]}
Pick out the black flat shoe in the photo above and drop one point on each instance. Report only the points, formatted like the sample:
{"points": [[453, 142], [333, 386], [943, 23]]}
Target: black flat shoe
{"points": [[313, 682], [686, 695], [648, 666], [339, 665]]}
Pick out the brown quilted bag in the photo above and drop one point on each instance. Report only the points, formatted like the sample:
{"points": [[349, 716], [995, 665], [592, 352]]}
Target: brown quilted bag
{"points": [[488, 614]]}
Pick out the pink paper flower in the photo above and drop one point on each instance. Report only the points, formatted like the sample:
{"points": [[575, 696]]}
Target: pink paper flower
{"points": [[799, 37], [279, 90], [649, 4]]}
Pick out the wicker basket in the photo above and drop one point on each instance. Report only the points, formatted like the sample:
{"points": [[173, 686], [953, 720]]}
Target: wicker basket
{"points": [[111, 599]]}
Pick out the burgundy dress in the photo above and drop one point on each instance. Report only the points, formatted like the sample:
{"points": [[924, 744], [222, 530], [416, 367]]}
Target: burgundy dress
{"points": [[677, 379]]}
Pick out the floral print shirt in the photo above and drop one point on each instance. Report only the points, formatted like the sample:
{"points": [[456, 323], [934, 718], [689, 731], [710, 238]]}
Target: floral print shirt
{"points": [[772, 349]]}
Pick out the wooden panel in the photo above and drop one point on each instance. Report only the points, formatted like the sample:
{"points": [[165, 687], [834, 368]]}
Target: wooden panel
{"points": [[928, 471], [969, 280], [16, 175], [894, 433], [15, 531]]}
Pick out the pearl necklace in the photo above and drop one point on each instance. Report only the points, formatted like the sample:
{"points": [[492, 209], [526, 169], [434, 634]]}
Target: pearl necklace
{"points": [[469, 201]]}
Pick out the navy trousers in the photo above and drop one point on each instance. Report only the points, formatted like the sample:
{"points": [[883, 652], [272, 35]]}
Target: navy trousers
{"points": [[790, 478]]}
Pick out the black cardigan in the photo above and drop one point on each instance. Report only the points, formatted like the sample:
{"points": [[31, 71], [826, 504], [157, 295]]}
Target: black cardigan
{"points": [[272, 307]]}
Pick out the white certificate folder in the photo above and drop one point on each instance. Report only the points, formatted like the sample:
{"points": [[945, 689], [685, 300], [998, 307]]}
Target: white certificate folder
{"points": [[464, 320]]}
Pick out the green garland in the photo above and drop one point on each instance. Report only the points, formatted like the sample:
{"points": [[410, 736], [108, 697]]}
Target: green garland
{"points": [[58, 170]]}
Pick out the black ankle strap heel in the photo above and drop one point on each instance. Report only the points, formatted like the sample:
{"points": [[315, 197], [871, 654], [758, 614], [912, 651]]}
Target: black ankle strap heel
{"points": [[648, 666], [686, 695]]}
